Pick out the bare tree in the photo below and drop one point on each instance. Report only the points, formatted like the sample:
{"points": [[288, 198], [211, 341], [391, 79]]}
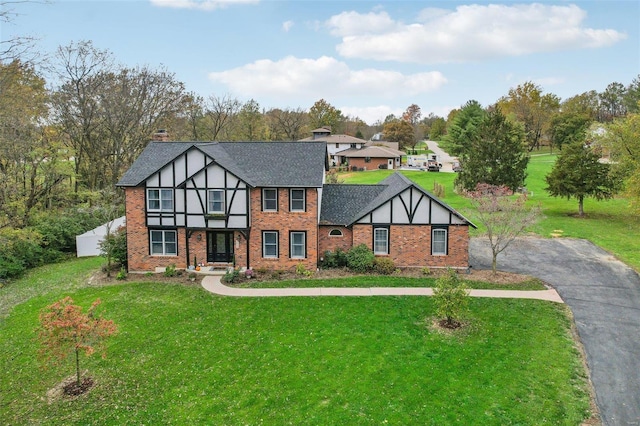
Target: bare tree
{"points": [[220, 112], [287, 124], [504, 216]]}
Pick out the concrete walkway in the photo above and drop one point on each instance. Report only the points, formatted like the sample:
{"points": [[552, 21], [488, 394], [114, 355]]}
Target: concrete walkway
{"points": [[212, 283]]}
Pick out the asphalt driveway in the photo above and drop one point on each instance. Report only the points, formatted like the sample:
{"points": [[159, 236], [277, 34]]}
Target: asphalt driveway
{"points": [[604, 296]]}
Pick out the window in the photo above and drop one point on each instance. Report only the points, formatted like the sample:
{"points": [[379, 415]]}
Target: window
{"points": [[160, 199], [337, 145], [298, 249], [216, 201], [335, 233], [439, 241], [367, 159], [163, 243], [270, 244], [381, 241], [297, 200], [353, 145], [270, 200]]}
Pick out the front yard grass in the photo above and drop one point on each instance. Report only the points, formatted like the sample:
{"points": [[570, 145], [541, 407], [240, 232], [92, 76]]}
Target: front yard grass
{"points": [[367, 281], [184, 356]]}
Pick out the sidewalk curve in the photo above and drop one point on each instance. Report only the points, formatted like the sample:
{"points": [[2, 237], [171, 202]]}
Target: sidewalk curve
{"points": [[213, 284]]}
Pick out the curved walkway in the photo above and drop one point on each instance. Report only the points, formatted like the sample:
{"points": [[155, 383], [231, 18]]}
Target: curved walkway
{"points": [[604, 296], [212, 283]]}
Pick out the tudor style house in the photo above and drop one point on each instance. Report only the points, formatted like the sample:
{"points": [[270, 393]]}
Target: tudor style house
{"points": [[266, 205]]}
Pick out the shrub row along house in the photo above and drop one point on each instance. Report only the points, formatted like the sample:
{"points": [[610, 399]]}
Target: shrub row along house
{"points": [[266, 205]]}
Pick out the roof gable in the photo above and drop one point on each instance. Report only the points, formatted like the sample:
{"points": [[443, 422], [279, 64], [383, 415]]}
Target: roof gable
{"points": [[288, 164], [353, 202]]}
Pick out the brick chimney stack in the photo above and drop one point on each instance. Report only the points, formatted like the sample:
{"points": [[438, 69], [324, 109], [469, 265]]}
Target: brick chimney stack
{"points": [[160, 136]]}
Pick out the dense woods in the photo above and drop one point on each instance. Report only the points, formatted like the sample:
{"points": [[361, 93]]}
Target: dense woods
{"points": [[72, 124]]}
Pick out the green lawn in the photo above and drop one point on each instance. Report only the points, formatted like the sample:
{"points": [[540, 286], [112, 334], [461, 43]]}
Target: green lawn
{"points": [[608, 224], [184, 356], [366, 281]]}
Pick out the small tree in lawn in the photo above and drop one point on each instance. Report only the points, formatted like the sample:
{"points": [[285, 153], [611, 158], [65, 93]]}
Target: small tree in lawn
{"points": [[451, 298], [504, 215], [65, 329], [578, 173]]}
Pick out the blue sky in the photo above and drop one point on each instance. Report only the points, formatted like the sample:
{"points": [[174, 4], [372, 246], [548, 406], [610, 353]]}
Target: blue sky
{"points": [[367, 58]]}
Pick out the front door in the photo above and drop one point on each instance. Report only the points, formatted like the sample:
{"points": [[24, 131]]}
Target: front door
{"points": [[390, 163], [220, 247]]}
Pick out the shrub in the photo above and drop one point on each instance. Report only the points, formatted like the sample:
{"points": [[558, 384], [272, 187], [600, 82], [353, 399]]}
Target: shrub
{"points": [[451, 298], [122, 274], [116, 245], [360, 258], [170, 271], [231, 276], [426, 270], [21, 249], [384, 266], [302, 270], [337, 259]]}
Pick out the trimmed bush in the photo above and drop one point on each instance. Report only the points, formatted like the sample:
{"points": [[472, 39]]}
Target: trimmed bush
{"points": [[384, 266], [360, 259], [337, 259]]}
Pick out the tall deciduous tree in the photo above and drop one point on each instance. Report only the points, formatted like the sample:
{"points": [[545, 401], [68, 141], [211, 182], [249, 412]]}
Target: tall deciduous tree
{"points": [[579, 174], [612, 101], [65, 329], [287, 124], [220, 112], [399, 131], [496, 154], [622, 137], [31, 160], [412, 116], [322, 113], [250, 122], [533, 109], [504, 216], [632, 96], [567, 127]]}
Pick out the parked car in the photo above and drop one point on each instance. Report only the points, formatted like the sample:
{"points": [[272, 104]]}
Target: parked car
{"points": [[433, 166], [456, 166]]}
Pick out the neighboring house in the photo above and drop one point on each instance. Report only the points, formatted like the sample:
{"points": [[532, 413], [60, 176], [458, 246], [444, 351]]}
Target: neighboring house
{"points": [[371, 157], [265, 205], [336, 144]]}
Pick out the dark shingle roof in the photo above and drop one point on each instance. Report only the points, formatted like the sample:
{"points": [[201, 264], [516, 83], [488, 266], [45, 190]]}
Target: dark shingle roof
{"points": [[345, 204], [257, 163], [341, 204]]}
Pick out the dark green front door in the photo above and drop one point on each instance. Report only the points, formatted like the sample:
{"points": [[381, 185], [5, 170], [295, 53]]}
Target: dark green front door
{"points": [[220, 247]]}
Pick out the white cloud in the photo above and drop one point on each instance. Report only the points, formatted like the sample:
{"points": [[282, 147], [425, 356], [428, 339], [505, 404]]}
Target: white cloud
{"points": [[371, 115], [286, 26], [323, 77], [200, 4], [469, 33]]}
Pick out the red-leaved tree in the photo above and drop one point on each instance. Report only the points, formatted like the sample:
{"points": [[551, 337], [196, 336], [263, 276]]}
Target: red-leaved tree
{"points": [[65, 329], [504, 215]]}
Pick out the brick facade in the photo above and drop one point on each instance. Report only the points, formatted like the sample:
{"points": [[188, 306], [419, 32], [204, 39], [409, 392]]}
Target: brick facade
{"points": [[284, 221], [373, 164], [328, 242]]}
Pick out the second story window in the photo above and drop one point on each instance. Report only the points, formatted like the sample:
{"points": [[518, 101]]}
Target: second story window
{"points": [[160, 199], [270, 200], [216, 201], [297, 200]]}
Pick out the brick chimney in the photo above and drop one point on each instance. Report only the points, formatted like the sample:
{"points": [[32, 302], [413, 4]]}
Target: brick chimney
{"points": [[160, 136]]}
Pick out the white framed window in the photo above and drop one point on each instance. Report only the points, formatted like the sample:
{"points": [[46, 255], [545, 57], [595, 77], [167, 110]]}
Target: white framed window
{"points": [[298, 246], [160, 199], [163, 243], [335, 233], [439, 241], [381, 240], [270, 200], [297, 200], [270, 244], [215, 202]]}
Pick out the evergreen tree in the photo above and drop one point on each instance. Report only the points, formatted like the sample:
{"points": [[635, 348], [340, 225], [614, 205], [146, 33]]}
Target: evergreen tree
{"points": [[495, 155], [462, 126], [579, 174]]}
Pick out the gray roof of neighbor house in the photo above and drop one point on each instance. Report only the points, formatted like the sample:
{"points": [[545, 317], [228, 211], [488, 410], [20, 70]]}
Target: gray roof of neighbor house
{"points": [[335, 139], [288, 164], [345, 204]]}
